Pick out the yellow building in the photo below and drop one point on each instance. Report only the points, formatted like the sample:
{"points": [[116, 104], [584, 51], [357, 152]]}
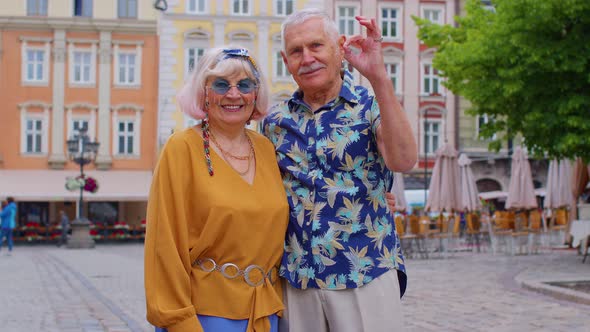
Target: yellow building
{"points": [[189, 27]]}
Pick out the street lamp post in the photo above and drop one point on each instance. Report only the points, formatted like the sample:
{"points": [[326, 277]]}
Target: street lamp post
{"points": [[426, 146], [83, 152]]}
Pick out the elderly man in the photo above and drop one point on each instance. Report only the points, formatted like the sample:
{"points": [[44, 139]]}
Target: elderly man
{"points": [[337, 146]]}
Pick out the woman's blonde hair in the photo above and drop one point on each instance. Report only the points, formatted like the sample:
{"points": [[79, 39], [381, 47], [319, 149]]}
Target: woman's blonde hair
{"points": [[221, 62]]}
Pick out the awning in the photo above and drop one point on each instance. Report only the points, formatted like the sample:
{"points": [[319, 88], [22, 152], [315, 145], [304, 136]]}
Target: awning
{"points": [[49, 185]]}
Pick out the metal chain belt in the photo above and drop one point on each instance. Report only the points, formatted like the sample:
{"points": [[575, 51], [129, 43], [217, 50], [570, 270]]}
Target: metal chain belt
{"points": [[232, 271]]}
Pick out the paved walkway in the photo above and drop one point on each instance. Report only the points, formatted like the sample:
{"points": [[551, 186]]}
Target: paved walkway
{"points": [[50, 289]]}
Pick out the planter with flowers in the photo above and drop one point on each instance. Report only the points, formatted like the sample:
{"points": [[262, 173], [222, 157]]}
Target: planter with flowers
{"points": [[85, 182]]}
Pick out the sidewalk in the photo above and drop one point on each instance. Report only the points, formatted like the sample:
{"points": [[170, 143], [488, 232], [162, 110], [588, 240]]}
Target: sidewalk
{"points": [[56, 289]]}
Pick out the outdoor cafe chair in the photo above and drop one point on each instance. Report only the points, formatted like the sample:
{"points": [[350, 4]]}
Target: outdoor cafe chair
{"points": [[420, 237], [407, 240]]}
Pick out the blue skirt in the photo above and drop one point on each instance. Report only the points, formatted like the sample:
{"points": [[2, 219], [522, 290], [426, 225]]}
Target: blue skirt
{"points": [[212, 324]]}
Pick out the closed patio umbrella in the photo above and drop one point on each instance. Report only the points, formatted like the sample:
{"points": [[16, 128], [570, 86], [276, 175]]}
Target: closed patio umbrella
{"points": [[444, 184], [398, 191], [559, 191], [521, 192], [469, 195]]}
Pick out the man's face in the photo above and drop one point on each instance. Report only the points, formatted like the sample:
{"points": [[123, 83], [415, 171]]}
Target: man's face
{"points": [[312, 56]]}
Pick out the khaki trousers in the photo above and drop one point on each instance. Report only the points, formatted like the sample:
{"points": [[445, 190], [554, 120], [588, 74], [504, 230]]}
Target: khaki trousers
{"points": [[374, 307]]}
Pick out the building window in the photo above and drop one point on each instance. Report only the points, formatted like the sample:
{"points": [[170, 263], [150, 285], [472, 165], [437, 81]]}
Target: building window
{"points": [[36, 7], [193, 55], [125, 137], [127, 66], [346, 20], [36, 65], [284, 7], [390, 23], [196, 7], [393, 72], [430, 80], [82, 67], [433, 15], [280, 70], [79, 125], [83, 8], [106, 213], [431, 136], [240, 7], [34, 136], [482, 120], [127, 9]]}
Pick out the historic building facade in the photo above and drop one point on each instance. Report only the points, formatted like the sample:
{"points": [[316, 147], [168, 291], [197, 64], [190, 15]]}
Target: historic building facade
{"points": [[67, 65], [189, 27]]}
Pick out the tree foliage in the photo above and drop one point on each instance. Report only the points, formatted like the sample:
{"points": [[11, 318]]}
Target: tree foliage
{"points": [[526, 65]]}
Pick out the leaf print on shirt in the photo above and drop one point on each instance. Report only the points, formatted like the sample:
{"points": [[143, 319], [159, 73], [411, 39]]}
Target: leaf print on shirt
{"points": [[350, 218], [340, 139], [342, 183], [295, 255], [390, 259], [377, 195], [299, 156], [324, 249], [378, 230], [352, 165], [359, 264], [332, 282]]}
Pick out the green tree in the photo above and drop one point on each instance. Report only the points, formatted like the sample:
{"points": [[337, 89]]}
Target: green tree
{"points": [[526, 65]]}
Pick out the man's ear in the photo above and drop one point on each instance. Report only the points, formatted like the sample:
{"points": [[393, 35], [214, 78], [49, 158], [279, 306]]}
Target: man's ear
{"points": [[341, 41], [284, 56]]}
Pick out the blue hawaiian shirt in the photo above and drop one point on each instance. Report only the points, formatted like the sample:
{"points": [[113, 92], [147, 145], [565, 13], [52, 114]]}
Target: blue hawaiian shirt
{"points": [[341, 233]]}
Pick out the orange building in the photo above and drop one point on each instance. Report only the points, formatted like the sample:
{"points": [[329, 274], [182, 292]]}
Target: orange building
{"points": [[67, 65]]}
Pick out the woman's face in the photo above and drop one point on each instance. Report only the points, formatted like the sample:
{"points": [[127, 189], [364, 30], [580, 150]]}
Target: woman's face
{"points": [[231, 99]]}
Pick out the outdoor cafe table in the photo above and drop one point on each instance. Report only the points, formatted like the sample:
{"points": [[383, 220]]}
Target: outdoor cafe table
{"points": [[579, 230]]}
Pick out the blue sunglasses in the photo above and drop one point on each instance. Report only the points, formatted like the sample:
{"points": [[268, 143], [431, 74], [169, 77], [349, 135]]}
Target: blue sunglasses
{"points": [[222, 86]]}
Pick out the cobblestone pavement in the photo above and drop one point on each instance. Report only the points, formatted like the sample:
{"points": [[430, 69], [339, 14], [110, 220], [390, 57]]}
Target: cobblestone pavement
{"points": [[51, 289]]}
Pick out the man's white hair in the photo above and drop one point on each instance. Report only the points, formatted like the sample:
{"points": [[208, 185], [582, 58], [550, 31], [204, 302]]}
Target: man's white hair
{"points": [[301, 16]]}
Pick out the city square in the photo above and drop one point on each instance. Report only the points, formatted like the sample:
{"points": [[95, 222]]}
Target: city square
{"points": [[50, 289]]}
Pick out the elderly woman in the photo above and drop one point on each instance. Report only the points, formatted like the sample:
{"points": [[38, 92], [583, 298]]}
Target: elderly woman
{"points": [[217, 211]]}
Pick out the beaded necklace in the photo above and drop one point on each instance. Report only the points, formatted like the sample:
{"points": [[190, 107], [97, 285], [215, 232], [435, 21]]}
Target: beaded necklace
{"points": [[207, 134]]}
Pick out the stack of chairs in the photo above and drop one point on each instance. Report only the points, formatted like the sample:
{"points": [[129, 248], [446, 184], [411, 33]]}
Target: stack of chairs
{"points": [[448, 235], [557, 225], [473, 231], [520, 234], [536, 229], [501, 231]]}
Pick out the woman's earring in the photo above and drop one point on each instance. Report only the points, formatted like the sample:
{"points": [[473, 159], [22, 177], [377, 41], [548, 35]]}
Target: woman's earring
{"points": [[207, 104]]}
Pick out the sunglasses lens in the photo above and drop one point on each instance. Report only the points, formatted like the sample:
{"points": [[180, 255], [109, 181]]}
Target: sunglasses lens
{"points": [[246, 86], [220, 86]]}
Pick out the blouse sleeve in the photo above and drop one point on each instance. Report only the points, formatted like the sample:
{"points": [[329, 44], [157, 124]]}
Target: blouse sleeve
{"points": [[167, 261]]}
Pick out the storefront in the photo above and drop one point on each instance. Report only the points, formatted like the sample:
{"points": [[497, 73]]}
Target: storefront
{"points": [[117, 210]]}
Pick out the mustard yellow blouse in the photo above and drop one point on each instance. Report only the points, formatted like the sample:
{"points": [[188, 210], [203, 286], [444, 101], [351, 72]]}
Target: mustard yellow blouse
{"points": [[192, 215]]}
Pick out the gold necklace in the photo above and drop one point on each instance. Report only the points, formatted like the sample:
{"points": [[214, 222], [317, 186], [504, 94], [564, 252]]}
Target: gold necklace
{"points": [[228, 154]]}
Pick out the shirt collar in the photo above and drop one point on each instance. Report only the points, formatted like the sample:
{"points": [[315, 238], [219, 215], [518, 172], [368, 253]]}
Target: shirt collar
{"points": [[347, 91]]}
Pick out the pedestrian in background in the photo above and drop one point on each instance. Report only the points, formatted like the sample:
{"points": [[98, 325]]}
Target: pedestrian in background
{"points": [[65, 228], [337, 146], [8, 217], [217, 210]]}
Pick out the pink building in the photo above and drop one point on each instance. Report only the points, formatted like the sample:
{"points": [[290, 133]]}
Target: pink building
{"points": [[431, 108]]}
